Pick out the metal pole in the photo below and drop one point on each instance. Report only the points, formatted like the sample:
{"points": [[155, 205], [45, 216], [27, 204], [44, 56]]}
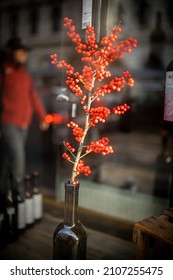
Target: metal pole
{"points": [[96, 17], [104, 16]]}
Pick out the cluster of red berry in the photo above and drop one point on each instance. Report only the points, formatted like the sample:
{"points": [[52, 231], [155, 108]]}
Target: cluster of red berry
{"points": [[74, 87], [100, 146], [88, 77], [91, 39], [66, 156], [72, 31], [120, 110], [97, 57], [81, 48], [108, 40], [98, 114], [131, 82], [81, 168], [77, 131], [123, 47], [69, 147], [69, 67], [62, 64], [54, 58], [116, 84]]}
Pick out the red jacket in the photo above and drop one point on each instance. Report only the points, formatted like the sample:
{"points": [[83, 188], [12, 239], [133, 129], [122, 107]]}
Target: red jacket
{"points": [[19, 98]]}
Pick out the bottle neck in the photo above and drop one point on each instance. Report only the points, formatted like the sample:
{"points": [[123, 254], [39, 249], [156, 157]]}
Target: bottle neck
{"points": [[28, 190], [35, 182], [9, 190], [71, 204], [18, 187]]}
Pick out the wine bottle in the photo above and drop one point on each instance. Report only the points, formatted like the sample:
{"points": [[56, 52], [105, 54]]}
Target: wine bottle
{"points": [[168, 114], [37, 197], [21, 206], [168, 103], [11, 214], [70, 238], [2, 225], [29, 203]]}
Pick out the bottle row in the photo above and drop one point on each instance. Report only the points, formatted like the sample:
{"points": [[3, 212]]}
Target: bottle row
{"points": [[21, 207]]}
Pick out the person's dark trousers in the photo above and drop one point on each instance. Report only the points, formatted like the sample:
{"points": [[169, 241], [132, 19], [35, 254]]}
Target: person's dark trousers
{"points": [[12, 154]]}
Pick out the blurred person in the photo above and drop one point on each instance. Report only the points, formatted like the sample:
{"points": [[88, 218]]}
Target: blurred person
{"points": [[18, 102]]}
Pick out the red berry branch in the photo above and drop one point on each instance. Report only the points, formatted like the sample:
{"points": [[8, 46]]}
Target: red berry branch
{"points": [[96, 58]]}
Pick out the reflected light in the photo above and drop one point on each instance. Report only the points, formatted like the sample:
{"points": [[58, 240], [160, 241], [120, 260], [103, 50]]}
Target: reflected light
{"points": [[54, 119]]}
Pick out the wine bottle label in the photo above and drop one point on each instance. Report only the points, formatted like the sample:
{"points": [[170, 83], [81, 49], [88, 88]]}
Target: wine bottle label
{"points": [[10, 212], [21, 215], [38, 206], [168, 106], [29, 211]]}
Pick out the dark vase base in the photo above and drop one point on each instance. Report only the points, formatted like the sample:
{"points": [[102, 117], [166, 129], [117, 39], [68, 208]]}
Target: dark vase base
{"points": [[69, 243]]}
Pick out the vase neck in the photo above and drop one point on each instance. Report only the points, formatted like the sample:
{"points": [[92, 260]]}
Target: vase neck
{"points": [[71, 204]]}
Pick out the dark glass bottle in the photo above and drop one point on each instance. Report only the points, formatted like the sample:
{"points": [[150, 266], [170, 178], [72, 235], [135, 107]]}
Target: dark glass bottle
{"points": [[168, 104], [11, 214], [21, 207], [29, 203], [168, 115], [70, 238], [37, 197], [2, 223]]}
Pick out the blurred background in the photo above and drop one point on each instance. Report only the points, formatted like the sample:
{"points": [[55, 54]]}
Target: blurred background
{"points": [[135, 181]]}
